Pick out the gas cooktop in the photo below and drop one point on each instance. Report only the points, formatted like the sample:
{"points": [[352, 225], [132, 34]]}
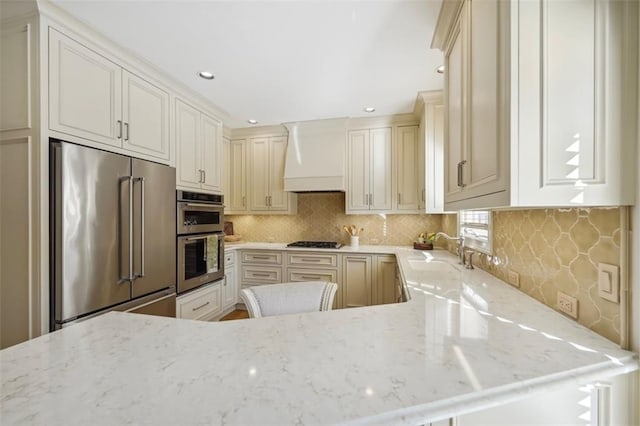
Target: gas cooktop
{"points": [[316, 244]]}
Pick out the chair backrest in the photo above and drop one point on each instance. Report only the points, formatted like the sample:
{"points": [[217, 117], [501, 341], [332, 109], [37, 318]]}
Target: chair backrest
{"points": [[289, 298]]}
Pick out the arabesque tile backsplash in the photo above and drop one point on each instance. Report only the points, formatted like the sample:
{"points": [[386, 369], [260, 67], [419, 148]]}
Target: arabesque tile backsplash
{"points": [[321, 217], [552, 249], [557, 250]]}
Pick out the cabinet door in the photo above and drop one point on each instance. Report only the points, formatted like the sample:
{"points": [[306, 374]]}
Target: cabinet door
{"points": [[454, 104], [211, 143], [277, 153], [84, 92], [486, 152], [385, 277], [380, 171], [236, 196], [230, 287], [407, 165], [356, 281], [573, 138], [259, 174], [145, 114], [422, 158], [188, 148], [358, 185]]}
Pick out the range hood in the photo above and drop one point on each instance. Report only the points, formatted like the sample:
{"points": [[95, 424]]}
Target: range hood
{"points": [[316, 156]]}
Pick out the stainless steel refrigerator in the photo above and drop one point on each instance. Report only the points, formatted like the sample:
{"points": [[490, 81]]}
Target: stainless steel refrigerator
{"points": [[113, 234]]}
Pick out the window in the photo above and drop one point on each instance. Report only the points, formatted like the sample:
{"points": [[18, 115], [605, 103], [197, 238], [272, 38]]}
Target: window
{"points": [[476, 228]]}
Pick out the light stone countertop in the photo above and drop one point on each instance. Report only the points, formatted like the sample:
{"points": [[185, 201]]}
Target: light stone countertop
{"points": [[464, 341]]}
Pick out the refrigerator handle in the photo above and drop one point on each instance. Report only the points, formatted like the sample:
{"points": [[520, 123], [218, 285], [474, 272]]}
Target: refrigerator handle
{"points": [[129, 276], [142, 226]]}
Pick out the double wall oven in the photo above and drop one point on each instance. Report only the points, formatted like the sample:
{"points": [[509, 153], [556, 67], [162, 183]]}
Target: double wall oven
{"points": [[200, 247]]}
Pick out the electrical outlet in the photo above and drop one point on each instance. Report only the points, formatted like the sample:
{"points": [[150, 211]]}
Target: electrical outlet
{"points": [[514, 279], [374, 241], [568, 304]]}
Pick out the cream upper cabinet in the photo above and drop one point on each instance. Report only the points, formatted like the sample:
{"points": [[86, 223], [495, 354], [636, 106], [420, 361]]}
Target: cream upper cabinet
{"points": [[477, 155], [407, 169], [211, 135], [199, 150], [95, 99], [259, 181], [236, 192], [145, 114], [188, 170], [536, 113], [85, 92], [357, 280], [431, 152], [279, 199], [266, 177], [369, 170]]}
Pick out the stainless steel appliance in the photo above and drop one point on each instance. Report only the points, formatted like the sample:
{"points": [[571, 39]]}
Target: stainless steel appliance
{"points": [[316, 244], [200, 239], [199, 213], [112, 233]]}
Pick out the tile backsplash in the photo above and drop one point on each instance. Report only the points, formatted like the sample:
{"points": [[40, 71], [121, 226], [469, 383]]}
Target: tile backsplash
{"points": [[321, 216], [551, 249], [557, 250]]}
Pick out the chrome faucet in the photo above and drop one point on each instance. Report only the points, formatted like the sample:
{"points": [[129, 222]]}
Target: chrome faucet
{"points": [[459, 249]]}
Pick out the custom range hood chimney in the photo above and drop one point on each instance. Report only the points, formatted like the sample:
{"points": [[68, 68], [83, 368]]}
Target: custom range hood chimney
{"points": [[316, 156]]}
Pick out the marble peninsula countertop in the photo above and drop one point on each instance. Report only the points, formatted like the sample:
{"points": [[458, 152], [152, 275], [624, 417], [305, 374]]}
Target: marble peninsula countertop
{"points": [[465, 340]]}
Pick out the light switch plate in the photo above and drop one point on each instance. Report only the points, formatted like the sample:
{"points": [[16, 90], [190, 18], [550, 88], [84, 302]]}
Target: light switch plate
{"points": [[609, 282]]}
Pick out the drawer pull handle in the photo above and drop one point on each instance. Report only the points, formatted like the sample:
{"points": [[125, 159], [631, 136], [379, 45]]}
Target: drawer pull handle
{"points": [[258, 274], [311, 260], [200, 307], [260, 257], [307, 277]]}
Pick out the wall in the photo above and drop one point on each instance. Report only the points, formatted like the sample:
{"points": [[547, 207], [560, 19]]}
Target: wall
{"points": [[321, 217], [557, 250]]}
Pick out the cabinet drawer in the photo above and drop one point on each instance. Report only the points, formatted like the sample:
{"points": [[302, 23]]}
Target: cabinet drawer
{"points": [[262, 257], [261, 275], [296, 275], [313, 259], [229, 259], [201, 304]]}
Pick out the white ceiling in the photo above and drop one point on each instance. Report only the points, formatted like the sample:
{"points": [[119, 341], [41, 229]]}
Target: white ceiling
{"points": [[281, 61]]}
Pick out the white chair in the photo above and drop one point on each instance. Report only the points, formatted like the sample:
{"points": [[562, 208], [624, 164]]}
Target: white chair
{"points": [[289, 298]]}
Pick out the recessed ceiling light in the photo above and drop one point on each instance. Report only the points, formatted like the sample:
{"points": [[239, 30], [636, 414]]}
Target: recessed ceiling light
{"points": [[206, 75], [440, 69], [368, 109], [252, 121]]}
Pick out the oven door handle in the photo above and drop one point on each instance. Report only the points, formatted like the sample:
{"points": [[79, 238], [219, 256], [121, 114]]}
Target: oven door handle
{"points": [[202, 205], [197, 238]]}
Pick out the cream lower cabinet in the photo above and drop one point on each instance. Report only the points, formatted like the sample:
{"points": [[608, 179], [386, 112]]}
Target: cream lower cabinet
{"points": [[202, 304], [95, 99], [305, 266], [230, 283], [199, 150], [369, 171], [369, 280], [357, 279], [363, 279], [385, 289], [518, 134], [259, 267]]}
